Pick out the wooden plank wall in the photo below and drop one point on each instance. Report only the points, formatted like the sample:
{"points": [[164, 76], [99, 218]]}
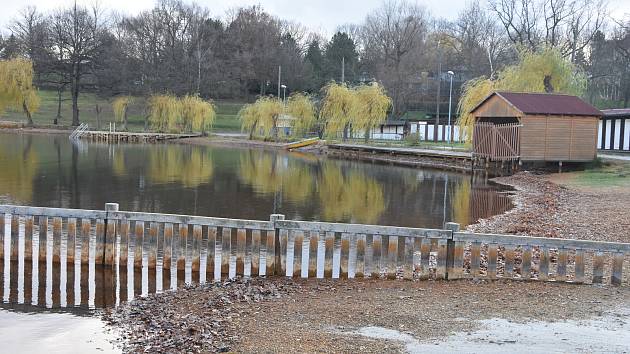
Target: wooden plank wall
{"points": [[558, 138]]}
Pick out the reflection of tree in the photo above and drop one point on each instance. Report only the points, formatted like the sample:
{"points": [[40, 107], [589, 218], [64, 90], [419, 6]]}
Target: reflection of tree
{"points": [[343, 196], [269, 173], [118, 163], [18, 171], [353, 196], [188, 165], [460, 200]]}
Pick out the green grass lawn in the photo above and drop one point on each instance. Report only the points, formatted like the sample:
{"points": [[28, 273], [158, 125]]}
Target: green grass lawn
{"points": [[603, 174], [226, 121]]}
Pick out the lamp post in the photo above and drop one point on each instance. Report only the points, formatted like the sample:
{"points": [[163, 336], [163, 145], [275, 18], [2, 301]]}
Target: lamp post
{"points": [[284, 89], [450, 101]]}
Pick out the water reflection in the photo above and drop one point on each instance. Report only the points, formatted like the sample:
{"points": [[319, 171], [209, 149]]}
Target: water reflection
{"points": [[49, 171]]}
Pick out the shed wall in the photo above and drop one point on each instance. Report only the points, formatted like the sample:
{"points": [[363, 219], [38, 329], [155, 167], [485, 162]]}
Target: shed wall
{"points": [[558, 138], [496, 106]]}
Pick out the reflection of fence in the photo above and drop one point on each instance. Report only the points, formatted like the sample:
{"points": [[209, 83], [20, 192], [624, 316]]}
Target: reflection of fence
{"points": [[487, 202], [229, 247]]}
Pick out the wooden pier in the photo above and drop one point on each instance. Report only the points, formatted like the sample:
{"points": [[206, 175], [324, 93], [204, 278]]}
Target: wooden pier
{"points": [[442, 154], [129, 137]]}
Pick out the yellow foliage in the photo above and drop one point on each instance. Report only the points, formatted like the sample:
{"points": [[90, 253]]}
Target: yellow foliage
{"points": [[526, 76], [261, 117], [361, 108], [338, 108], [16, 86], [197, 114], [373, 104], [164, 113], [301, 107], [120, 106]]}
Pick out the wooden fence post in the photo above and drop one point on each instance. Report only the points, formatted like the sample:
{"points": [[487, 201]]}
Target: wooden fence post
{"points": [[451, 272], [278, 266]]}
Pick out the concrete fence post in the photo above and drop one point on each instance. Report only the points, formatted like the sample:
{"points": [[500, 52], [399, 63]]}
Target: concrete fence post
{"points": [[450, 249], [277, 250], [110, 234]]}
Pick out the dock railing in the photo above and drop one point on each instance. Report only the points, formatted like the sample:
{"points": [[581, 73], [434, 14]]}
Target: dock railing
{"points": [[221, 247]]}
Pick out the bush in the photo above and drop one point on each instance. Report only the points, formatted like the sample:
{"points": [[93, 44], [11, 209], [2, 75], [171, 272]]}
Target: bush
{"points": [[412, 139]]}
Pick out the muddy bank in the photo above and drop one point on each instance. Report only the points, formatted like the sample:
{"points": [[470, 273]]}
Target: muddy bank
{"points": [[280, 315], [545, 206]]}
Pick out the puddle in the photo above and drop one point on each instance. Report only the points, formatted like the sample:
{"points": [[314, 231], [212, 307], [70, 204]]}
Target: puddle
{"points": [[56, 332], [605, 334]]}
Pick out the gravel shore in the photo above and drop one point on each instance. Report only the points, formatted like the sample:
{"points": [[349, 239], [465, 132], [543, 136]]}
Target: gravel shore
{"points": [[280, 315], [546, 206]]}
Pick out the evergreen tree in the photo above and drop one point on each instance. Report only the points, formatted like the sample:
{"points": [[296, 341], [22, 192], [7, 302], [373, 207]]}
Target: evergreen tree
{"points": [[341, 48]]}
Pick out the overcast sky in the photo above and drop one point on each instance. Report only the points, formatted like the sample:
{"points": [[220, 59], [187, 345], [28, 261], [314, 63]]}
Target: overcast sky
{"points": [[319, 15]]}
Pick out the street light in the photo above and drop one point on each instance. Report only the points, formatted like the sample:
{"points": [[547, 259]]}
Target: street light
{"points": [[450, 101], [284, 89]]}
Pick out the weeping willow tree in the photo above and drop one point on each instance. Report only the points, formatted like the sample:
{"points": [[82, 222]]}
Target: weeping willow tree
{"points": [[302, 109], [197, 115], [120, 107], [164, 113], [261, 117], [16, 87], [543, 71], [372, 106], [338, 110]]}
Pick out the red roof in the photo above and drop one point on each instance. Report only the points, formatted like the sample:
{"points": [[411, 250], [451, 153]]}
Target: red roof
{"points": [[546, 103]]}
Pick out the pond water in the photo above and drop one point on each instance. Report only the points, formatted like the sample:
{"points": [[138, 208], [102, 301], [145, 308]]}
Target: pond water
{"points": [[51, 171]]}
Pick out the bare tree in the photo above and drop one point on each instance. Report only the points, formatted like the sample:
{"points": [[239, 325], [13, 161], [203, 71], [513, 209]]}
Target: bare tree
{"points": [[565, 24], [392, 35], [80, 32]]}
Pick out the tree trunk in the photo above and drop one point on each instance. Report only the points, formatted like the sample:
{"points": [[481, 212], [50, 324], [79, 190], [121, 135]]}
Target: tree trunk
{"points": [[58, 117], [29, 118], [125, 119], [548, 85], [75, 95]]}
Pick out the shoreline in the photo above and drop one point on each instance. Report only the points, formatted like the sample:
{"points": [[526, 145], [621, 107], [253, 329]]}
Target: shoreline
{"points": [[551, 205], [226, 141]]}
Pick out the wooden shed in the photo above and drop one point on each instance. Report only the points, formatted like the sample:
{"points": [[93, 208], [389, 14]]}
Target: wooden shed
{"points": [[535, 127]]}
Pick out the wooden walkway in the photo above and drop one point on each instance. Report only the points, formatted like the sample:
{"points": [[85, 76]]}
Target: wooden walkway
{"points": [[444, 154], [128, 137]]}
